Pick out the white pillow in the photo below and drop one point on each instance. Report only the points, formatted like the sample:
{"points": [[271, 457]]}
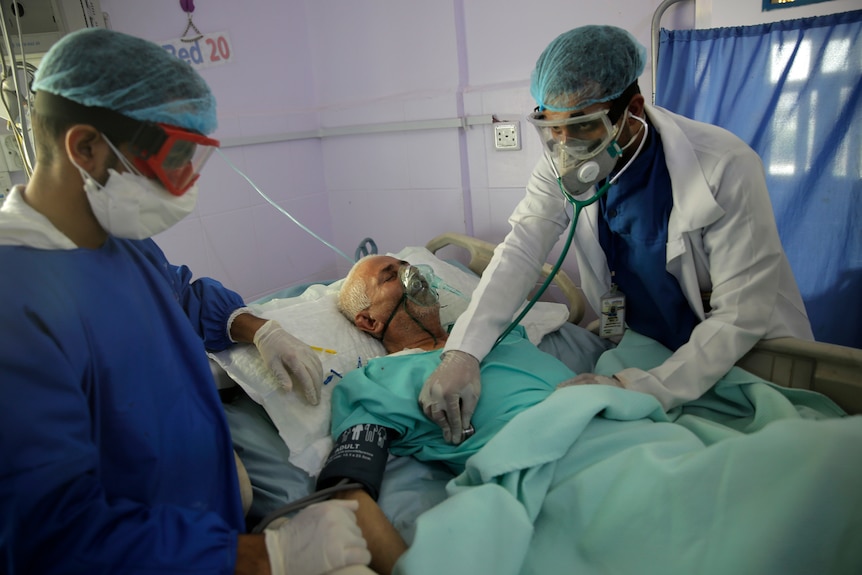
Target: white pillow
{"points": [[314, 318]]}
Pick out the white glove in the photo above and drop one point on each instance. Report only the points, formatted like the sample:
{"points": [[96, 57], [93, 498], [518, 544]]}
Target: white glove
{"points": [[290, 360], [451, 392], [322, 537], [591, 379]]}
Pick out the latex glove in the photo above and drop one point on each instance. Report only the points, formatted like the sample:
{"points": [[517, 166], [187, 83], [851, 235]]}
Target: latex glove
{"points": [[451, 392], [290, 360], [591, 379], [322, 537]]}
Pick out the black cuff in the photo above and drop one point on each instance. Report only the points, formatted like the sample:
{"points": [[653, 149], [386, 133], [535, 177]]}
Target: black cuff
{"points": [[360, 455]]}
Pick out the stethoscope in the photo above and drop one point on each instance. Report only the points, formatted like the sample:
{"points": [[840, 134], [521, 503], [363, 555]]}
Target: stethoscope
{"points": [[578, 205]]}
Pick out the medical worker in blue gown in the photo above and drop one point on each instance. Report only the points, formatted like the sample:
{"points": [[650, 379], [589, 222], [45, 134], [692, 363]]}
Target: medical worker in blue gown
{"points": [[116, 454], [683, 241]]}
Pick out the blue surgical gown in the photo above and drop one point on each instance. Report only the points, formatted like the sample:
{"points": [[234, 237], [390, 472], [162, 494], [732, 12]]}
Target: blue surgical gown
{"points": [[515, 376], [116, 454]]}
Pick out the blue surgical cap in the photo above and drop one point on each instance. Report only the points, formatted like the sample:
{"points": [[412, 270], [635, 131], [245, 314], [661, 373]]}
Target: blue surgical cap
{"points": [[584, 66], [129, 75]]}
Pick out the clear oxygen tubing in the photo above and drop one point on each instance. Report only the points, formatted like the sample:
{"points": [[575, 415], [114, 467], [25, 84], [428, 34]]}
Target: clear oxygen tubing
{"points": [[283, 211], [578, 206]]}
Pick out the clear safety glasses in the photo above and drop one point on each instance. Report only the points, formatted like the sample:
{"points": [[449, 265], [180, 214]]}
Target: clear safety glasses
{"points": [[578, 137], [172, 155]]}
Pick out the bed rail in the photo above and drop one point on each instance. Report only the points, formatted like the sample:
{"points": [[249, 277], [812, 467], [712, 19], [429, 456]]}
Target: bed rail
{"points": [[833, 370]]}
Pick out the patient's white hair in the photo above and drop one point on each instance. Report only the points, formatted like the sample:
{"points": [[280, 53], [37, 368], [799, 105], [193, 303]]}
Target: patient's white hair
{"points": [[353, 295]]}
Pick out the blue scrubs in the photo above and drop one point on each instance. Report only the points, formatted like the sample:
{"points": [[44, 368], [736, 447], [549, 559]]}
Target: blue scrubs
{"points": [[633, 234], [515, 376], [116, 454]]}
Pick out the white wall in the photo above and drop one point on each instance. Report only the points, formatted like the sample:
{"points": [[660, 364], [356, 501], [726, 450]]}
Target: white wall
{"points": [[301, 65]]}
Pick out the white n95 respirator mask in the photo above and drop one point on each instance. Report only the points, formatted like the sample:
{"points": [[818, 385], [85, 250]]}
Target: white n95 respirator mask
{"points": [[134, 207]]}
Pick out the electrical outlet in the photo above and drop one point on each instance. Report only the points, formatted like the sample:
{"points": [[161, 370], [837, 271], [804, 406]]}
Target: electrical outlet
{"points": [[507, 136]]}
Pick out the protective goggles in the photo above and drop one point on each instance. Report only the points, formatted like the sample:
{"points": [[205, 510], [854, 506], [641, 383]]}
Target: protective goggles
{"points": [[172, 155], [577, 137]]}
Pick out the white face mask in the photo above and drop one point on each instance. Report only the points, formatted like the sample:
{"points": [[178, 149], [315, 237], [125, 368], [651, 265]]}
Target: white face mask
{"points": [[133, 207], [581, 179]]}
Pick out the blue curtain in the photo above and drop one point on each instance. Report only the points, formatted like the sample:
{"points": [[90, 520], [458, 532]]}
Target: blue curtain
{"points": [[792, 90]]}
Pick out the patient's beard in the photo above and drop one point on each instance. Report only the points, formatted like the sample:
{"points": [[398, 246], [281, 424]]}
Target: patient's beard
{"points": [[403, 303]]}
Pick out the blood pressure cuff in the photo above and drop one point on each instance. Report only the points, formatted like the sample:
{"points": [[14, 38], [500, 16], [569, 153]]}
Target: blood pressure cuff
{"points": [[359, 455]]}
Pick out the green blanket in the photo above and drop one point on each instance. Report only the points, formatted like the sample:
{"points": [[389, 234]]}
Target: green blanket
{"points": [[751, 478]]}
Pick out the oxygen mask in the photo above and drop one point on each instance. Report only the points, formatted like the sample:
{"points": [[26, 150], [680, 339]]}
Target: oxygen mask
{"points": [[417, 288], [422, 286]]}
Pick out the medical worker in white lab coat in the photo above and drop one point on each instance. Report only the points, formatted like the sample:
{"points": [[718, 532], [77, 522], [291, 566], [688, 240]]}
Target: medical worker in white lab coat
{"points": [[685, 233]]}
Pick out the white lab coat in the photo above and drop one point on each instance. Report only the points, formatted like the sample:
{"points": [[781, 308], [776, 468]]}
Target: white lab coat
{"points": [[722, 239]]}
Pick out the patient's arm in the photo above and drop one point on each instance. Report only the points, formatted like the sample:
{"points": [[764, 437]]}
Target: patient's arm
{"points": [[359, 456], [384, 542]]}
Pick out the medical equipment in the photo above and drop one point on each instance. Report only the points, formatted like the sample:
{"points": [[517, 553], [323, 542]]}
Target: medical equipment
{"points": [[417, 288], [358, 455]]}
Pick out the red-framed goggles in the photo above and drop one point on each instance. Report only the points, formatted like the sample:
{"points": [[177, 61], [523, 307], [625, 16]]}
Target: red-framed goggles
{"points": [[170, 154]]}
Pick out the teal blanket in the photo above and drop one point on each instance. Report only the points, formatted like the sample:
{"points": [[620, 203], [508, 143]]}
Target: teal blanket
{"points": [[751, 478]]}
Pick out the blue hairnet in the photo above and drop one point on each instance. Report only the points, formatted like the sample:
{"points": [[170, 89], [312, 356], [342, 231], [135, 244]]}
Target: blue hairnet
{"points": [[129, 75], [584, 66]]}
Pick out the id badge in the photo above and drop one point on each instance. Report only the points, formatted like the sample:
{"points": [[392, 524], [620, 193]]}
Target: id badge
{"points": [[613, 320]]}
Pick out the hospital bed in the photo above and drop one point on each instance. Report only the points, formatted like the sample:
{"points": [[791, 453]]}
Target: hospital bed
{"points": [[282, 446]]}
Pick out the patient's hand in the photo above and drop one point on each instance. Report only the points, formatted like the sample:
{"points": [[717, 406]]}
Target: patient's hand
{"points": [[591, 379]]}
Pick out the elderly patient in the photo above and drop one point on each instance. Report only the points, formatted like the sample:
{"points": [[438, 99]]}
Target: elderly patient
{"points": [[374, 410]]}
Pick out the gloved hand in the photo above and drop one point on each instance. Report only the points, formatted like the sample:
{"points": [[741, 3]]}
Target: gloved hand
{"points": [[451, 392], [290, 360], [591, 379], [322, 537]]}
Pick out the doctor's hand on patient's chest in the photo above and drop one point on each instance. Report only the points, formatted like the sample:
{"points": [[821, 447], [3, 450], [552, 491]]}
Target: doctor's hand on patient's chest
{"points": [[450, 394], [290, 359]]}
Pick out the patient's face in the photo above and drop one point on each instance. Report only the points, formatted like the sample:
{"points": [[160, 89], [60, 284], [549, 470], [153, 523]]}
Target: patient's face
{"points": [[381, 279], [385, 290]]}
